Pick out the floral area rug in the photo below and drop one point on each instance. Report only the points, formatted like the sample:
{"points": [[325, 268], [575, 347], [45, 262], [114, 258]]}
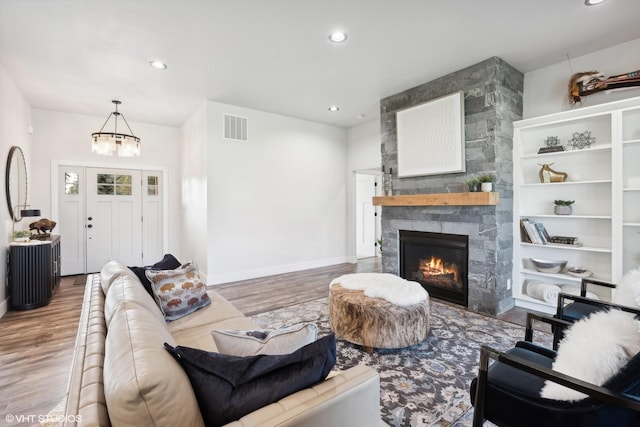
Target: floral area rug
{"points": [[426, 384]]}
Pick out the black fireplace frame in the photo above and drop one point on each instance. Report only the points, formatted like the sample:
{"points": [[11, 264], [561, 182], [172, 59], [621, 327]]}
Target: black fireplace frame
{"points": [[444, 240]]}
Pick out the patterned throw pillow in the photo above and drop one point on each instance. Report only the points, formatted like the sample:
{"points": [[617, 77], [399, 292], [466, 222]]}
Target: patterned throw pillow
{"points": [[179, 292]]}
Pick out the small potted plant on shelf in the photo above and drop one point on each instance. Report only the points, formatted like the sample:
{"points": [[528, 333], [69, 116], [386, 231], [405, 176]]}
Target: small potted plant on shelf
{"points": [[486, 182], [563, 207], [474, 184], [21, 235]]}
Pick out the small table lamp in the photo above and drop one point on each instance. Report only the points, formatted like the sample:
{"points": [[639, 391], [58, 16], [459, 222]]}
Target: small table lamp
{"points": [[23, 213]]}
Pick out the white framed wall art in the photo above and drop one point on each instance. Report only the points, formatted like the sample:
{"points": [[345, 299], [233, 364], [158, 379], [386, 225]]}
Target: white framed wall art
{"points": [[431, 137]]}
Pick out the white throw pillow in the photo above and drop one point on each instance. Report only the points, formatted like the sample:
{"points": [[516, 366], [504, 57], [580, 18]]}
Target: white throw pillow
{"points": [[627, 292], [594, 349], [279, 341]]}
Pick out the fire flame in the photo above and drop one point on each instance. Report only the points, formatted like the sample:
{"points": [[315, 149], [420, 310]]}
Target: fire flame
{"points": [[435, 267]]}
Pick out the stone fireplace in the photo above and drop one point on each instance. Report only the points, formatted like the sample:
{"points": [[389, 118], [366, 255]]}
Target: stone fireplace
{"points": [[492, 101]]}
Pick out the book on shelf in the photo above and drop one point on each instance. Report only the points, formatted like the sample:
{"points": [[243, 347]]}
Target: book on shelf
{"points": [[552, 149], [542, 232], [524, 234], [564, 240], [534, 232], [531, 231]]}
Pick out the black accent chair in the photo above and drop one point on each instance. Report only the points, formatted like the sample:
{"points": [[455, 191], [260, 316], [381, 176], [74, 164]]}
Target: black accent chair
{"points": [[572, 308], [507, 393]]}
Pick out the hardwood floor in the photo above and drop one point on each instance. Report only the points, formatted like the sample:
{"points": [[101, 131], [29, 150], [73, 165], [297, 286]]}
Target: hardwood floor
{"points": [[268, 293], [36, 346]]}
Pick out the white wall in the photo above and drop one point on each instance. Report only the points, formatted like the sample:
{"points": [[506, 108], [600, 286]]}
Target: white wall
{"points": [[546, 89], [363, 154], [276, 203], [15, 119], [194, 190], [65, 138]]}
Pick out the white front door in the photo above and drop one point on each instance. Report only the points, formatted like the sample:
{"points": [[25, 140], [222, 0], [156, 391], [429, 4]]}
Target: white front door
{"points": [[365, 215], [113, 217]]}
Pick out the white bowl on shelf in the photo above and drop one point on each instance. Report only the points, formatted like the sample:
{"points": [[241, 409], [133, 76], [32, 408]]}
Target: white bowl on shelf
{"points": [[579, 272], [548, 266]]}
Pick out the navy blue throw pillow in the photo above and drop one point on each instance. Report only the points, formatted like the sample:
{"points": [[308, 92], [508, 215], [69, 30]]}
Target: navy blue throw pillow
{"points": [[168, 262], [229, 387]]}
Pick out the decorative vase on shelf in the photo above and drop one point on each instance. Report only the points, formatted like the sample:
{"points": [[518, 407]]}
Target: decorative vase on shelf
{"points": [[387, 183]]}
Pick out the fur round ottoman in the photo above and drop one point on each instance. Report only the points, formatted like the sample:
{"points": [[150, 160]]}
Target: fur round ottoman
{"points": [[377, 310]]}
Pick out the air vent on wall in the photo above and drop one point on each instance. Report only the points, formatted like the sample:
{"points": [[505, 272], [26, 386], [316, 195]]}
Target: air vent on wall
{"points": [[235, 128]]}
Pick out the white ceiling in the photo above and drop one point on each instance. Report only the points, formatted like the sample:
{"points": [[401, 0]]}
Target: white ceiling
{"points": [[274, 55]]}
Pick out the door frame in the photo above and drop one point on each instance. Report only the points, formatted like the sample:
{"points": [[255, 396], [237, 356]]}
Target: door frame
{"points": [[55, 193]]}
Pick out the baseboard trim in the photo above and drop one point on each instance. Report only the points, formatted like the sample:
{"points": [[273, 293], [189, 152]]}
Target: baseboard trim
{"points": [[217, 279]]}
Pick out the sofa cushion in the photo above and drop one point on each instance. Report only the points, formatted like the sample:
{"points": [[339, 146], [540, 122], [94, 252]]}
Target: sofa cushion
{"points": [[279, 341], [168, 262], [126, 288], [179, 292], [220, 309], [229, 387], [594, 349], [143, 384], [111, 271]]}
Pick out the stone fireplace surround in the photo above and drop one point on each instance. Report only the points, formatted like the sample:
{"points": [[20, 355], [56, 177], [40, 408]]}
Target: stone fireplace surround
{"points": [[492, 101]]}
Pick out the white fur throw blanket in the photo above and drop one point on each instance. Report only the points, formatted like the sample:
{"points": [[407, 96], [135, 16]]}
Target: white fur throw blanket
{"points": [[543, 291], [386, 286]]}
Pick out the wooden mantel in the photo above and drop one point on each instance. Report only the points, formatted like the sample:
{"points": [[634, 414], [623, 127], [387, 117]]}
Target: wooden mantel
{"points": [[439, 199]]}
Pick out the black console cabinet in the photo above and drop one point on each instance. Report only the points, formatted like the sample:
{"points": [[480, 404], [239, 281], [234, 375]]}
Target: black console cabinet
{"points": [[34, 273]]}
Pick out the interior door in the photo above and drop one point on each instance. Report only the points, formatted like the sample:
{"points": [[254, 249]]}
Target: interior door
{"points": [[152, 217], [365, 216], [113, 217], [70, 220]]}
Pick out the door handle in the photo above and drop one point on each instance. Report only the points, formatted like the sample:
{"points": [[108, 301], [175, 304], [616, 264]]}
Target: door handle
{"points": [[90, 218], [90, 226]]}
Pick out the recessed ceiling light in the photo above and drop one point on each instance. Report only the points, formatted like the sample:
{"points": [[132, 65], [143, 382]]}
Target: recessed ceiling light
{"points": [[159, 65], [334, 108], [338, 37], [593, 2]]}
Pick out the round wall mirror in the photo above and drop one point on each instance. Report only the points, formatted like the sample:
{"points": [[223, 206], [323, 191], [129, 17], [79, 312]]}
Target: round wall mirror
{"points": [[16, 182]]}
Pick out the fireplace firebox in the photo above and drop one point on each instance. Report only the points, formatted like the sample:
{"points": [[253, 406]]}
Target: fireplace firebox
{"points": [[438, 261]]}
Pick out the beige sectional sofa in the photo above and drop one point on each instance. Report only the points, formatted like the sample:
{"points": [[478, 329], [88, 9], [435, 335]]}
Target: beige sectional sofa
{"points": [[122, 375]]}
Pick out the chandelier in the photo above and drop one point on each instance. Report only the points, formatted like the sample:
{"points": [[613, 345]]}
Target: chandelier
{"points": [[110, 143]]}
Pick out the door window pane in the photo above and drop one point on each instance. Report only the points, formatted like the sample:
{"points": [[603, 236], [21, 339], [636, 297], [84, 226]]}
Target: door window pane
{"points": [[104, 178], [123, 179], [71, 183], [152, 185], [105, 189], [123, 190]]}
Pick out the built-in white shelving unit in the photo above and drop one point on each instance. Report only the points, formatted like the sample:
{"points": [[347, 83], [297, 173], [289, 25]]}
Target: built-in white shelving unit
{"points": [[604, 181]]}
